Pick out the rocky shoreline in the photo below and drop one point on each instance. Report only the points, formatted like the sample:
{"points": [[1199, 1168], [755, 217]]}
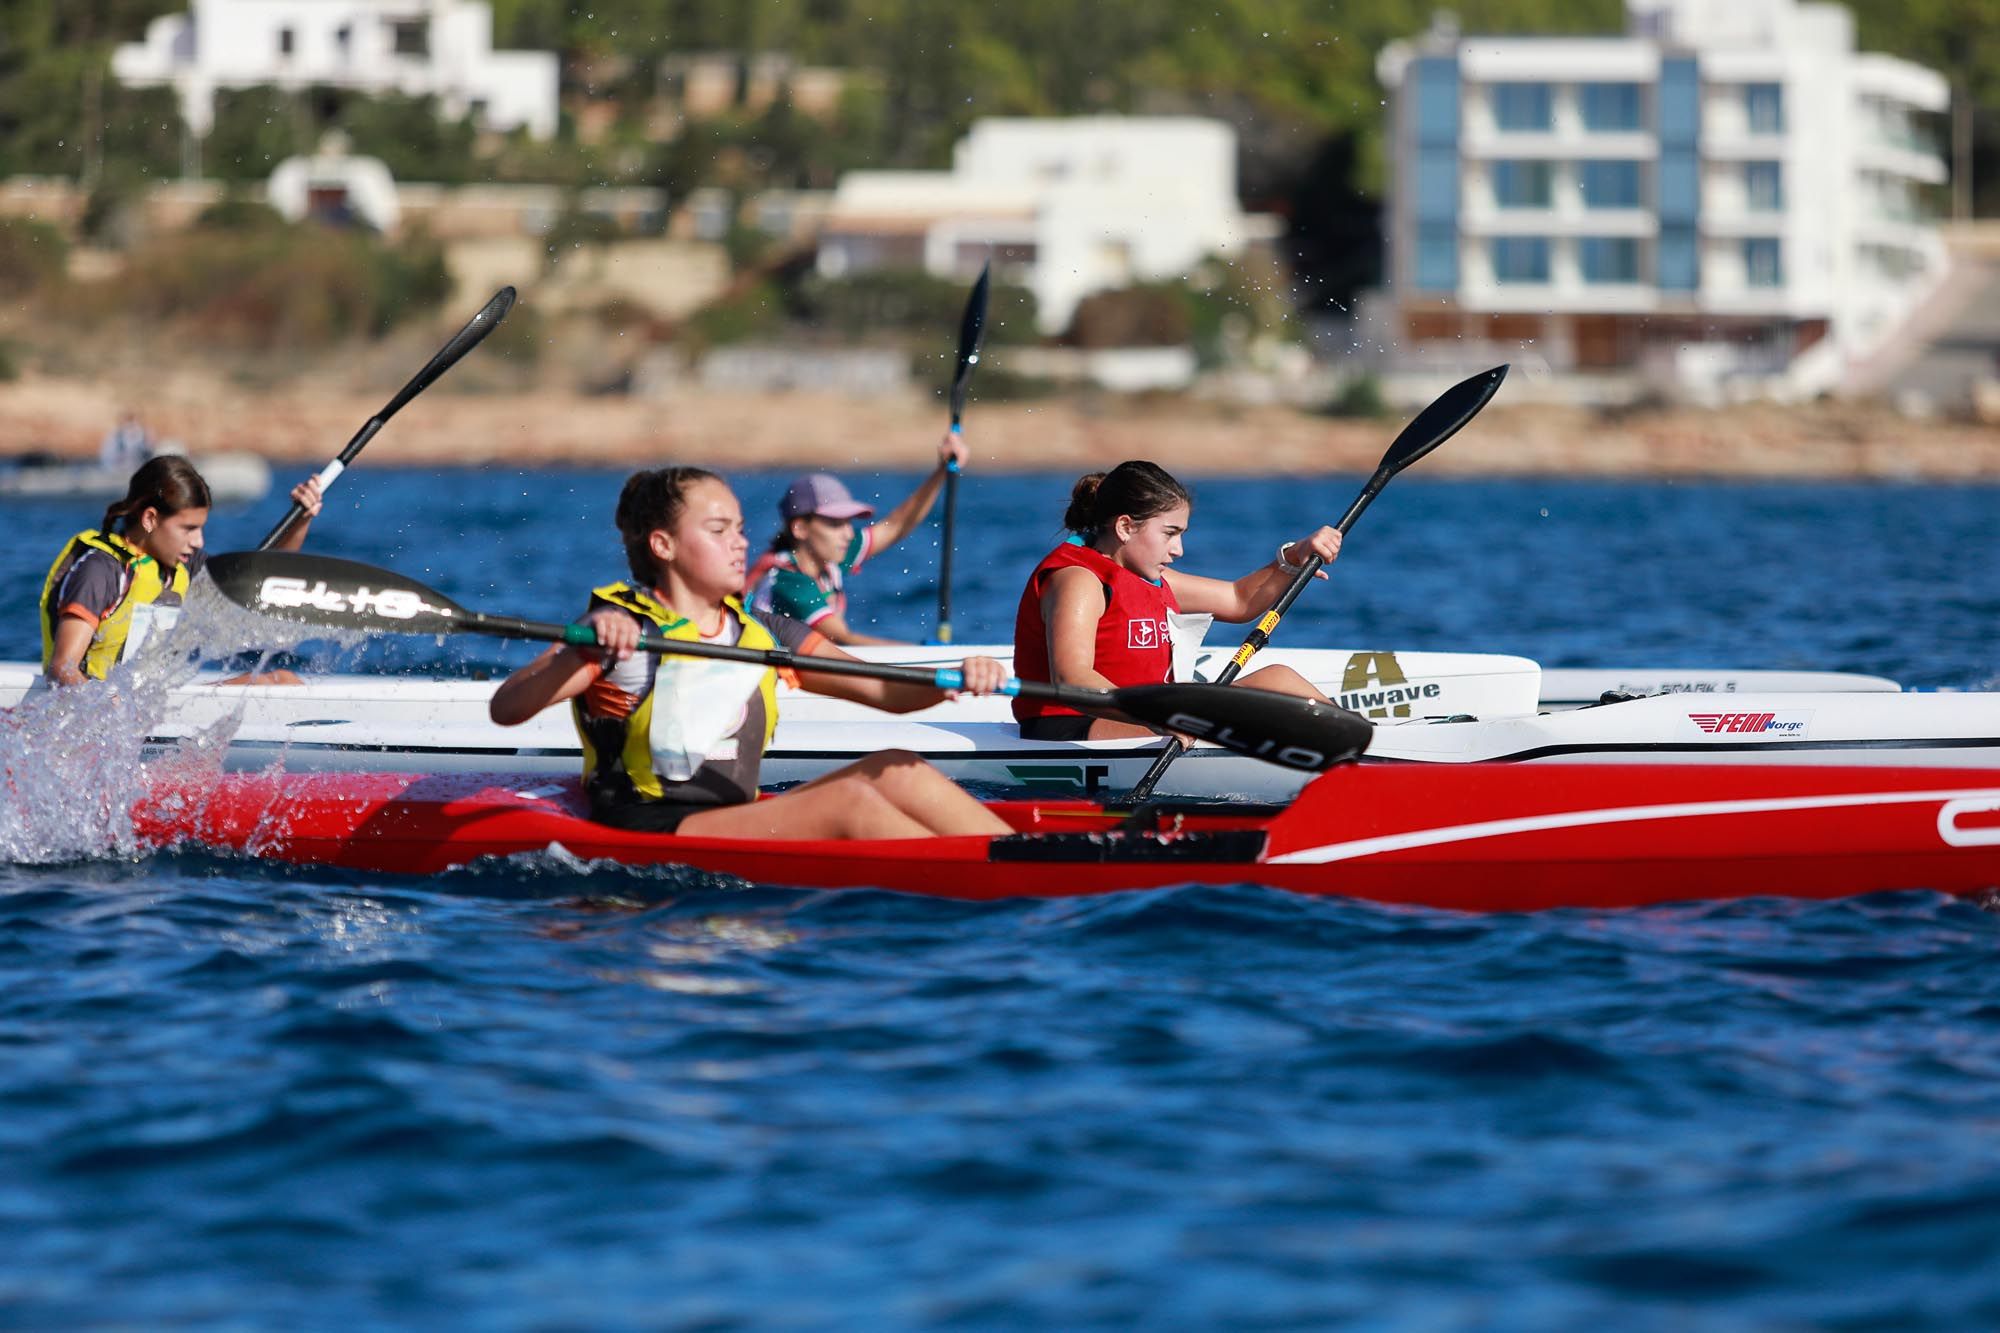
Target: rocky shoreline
{"points": [[68, 417]]}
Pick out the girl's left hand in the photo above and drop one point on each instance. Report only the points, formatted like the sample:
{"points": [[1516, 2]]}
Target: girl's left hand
{"points": [[983, 675], [951, 449], [1324, 543], [307, 496]]}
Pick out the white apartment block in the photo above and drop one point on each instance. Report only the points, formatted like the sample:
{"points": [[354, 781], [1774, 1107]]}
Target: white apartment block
{"points": [[1067, 207], [1729, 198], [437, 48]]}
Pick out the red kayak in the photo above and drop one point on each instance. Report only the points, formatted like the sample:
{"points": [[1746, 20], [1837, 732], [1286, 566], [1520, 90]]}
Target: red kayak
{"points": [[1478, 837]]}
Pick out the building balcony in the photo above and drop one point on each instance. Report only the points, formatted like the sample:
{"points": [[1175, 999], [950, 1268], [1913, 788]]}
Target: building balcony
{"points": [[1564, 218], [1912, 158], [1566, 140]]}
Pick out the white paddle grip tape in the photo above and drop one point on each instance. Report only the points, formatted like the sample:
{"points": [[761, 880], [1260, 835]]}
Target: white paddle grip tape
{"points": [[329, 472]]}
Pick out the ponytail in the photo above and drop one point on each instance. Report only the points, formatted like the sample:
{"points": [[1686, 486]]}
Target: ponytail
{"points": [[1136, 489], [167, 483]]}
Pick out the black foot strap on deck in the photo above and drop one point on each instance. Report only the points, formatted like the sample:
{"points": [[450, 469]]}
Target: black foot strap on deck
{"points": [[1215, 847]]}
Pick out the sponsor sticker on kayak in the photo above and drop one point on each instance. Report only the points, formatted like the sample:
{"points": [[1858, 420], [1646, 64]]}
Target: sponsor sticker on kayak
{"points": [[1788, 725], [1375, 685]]}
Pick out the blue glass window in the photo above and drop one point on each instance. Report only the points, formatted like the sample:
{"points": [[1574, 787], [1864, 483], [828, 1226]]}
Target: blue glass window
{"points": [[1608, 184], [1608, 258], [1608, 107], [1680, 259], [1522, 106], [1680, 103], [1764, 104], [1437, 102], [1437, 259], [1680, 189], [1437, 185], [1764, 186], [1521, 258], [1523, 184], [1763, 262]]}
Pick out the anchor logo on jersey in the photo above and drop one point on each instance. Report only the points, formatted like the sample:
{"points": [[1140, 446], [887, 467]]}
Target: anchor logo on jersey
{"points": [[1146, 633]]}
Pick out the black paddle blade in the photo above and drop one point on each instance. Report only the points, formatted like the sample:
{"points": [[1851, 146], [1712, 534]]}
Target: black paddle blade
{"points": [[341, 594], [1443, 418], [453, 352], [1277, 728], [971, 329]]}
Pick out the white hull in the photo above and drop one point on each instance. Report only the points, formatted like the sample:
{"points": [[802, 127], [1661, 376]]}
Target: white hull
{"points": [[354, 723]]}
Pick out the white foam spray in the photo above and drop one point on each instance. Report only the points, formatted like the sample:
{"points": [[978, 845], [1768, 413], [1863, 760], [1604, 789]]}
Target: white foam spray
{"points": [[74, 760]]}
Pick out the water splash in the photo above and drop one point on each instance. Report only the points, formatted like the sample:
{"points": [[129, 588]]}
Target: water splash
{"points": [[74, 760]]}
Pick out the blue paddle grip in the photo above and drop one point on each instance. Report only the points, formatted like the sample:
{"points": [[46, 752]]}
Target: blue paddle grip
{"points": [[951, 678]]}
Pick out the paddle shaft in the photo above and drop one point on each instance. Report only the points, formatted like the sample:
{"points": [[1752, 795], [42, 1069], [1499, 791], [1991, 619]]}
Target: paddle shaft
{"points": [[946, 540], [1431, 428], [447, 356], [1261, 633], [346, 594], [938, 678], [971, 332]]}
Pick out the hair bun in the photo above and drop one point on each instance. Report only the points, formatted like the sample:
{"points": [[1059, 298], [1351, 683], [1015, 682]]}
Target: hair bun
{"points": [[1081, 516]]}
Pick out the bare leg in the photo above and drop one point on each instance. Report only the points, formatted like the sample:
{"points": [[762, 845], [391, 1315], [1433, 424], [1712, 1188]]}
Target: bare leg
{"points": [[1282, 680], [832, 807], [919, 791], [893, 794], [264, 678]]}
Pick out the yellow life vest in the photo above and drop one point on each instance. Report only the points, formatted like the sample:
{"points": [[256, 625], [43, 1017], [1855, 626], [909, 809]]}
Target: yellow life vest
{"points": [[143, 586], [633, 735]]}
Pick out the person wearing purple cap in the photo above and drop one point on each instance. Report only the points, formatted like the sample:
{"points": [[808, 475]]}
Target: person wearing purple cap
{"points": [[804, 574]]}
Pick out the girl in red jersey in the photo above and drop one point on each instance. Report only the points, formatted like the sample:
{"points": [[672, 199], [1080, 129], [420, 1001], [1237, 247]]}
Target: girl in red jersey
{"points": [[675, 743], [1097, 610]]}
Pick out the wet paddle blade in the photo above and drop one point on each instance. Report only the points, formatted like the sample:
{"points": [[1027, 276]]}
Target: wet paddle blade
{"points": [[1280, 729], [971, 330], [340, 594], [1443, 418]]}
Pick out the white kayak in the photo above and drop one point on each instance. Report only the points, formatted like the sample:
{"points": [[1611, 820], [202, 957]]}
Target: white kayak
{"points": [[1430, 708]]}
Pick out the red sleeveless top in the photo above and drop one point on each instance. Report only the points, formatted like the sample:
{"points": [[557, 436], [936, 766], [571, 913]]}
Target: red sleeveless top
{"points": [[1134, 646]]}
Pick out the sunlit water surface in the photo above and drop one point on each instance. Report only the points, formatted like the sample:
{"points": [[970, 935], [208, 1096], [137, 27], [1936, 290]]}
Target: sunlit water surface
{"points": [[529, 1097]]}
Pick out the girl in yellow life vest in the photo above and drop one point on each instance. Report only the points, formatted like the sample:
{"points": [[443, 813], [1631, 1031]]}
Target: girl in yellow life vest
{"points": [[674, 743], [111, 583]]}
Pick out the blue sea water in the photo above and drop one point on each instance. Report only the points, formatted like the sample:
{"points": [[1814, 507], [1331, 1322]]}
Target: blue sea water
{"points": [[242, 1096]]}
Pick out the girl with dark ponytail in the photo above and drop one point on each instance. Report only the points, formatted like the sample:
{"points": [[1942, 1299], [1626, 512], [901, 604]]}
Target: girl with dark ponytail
{"points": [[1098, 611], [111, 584], [676, 743]]}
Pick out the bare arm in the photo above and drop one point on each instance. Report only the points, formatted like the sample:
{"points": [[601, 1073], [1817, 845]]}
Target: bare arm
{"points": [[983, 675], [835, 629], [901, 521], [1246, 598], [307, 495], [1072, 604], [557, 675], [560, 674], [72, 641]]}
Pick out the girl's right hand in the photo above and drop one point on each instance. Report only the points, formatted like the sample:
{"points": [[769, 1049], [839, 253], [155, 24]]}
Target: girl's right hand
{"points": [[617, 632], [982, 675]]}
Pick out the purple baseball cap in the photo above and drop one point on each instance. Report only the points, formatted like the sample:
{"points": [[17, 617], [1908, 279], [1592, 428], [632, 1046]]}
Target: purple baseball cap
{"points": [[821, 494]]}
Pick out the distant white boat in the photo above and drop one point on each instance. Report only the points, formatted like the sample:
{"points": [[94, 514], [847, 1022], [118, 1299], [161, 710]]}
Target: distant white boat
{"points": [[233, 478]]}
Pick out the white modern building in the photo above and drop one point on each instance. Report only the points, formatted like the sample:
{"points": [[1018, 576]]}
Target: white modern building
{"points": [[436, 48], [1729, 198], [1067, 207]]}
